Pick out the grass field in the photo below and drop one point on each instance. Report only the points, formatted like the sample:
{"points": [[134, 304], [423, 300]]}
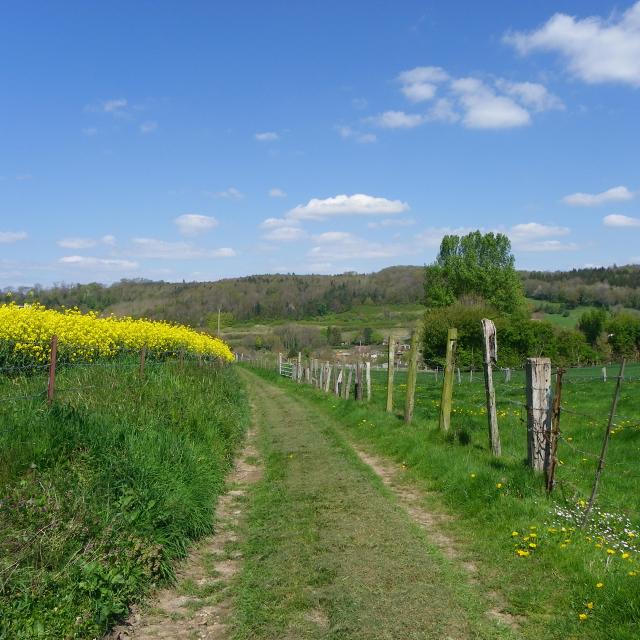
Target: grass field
{"points": [[563, 581], [586, 400], [102, 492]]}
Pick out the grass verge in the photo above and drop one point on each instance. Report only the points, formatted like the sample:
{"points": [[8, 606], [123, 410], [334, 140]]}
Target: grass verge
{"points": [[102, 492]]}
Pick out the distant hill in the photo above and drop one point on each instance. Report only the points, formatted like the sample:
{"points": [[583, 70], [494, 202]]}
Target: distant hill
{"points": [[294, 297], [252, 298], [601, 286]]}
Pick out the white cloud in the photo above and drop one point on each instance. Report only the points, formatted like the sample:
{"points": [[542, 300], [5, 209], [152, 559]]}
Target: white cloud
{"points": [[358, 136], [86, 243], [285, 234], [89, 261], [397, 120], [476, 104], [8, 237], [420, 84], [534, 230], [616, 220], [273, 223], [547, 245], [192, 224], [77, 243], [231, 193], [423, 74], [484, 109], [531, 94], [148, 127], [90, 131], [344, 205], [536, 237], [443, 111], [267, 136], [339, 245], [332, 236], [159, 249], [274, 192], [114, 106], [595, 49], [391, 222], [615, 194]]}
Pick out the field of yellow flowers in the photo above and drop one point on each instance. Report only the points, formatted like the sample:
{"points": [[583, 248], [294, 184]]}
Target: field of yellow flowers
{"points": [[26, 332]]}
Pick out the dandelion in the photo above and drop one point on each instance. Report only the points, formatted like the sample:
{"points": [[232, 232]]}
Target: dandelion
{"points": [[599, 585], [589, 605], [499, 485], [583, 616], [522, 553]]}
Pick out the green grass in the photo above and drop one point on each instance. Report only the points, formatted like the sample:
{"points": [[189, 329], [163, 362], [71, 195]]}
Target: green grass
{"points": [[103, 491], [490, 499], [330, 554]]}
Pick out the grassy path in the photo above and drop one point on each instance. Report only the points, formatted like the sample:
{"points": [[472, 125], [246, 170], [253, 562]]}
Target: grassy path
{"points": [[332, 553]]}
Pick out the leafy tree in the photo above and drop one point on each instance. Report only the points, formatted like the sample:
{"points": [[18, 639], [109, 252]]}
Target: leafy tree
{"points": [[624, 338], [592, 323], [479, 265], [334, 336]]}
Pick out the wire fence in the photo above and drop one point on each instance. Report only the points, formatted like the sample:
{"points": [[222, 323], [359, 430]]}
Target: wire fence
{"points": [[584, 413]]}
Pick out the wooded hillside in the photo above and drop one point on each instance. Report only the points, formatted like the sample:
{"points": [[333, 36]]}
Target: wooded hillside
{"points": [[294, 297]]}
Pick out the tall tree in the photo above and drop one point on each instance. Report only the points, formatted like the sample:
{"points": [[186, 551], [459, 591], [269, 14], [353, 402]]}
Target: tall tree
{"points": [[476, 265]]}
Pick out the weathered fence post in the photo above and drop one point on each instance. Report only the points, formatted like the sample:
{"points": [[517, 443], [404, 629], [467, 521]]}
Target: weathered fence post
{"points": [[367, 376], [552, 460], [605, 443], [299, 369], [279, 364], [459, 376], [390, 371], [447, 382], [409, 402], [358, 381], [321, 377], [327, 383], [491, 356], [339, 379], [347, 387], [51, 387], [538, 372], [604, 374]]}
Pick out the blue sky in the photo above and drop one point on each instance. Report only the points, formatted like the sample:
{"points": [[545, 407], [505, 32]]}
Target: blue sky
{"points": [[200, 140]]}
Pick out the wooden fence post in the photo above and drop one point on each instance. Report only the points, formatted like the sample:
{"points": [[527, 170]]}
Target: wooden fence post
{"points": [[347, 387], [279, 364], [390, 371], [339, 380], [538, 411], [327, 383], [51, 387], [459, 376], [447, 382], [143, 354], [358, 381], [299, 368], [367, 376], [552, 460], [605, 443], [604, 374], [491, 356], [411, 378]]}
